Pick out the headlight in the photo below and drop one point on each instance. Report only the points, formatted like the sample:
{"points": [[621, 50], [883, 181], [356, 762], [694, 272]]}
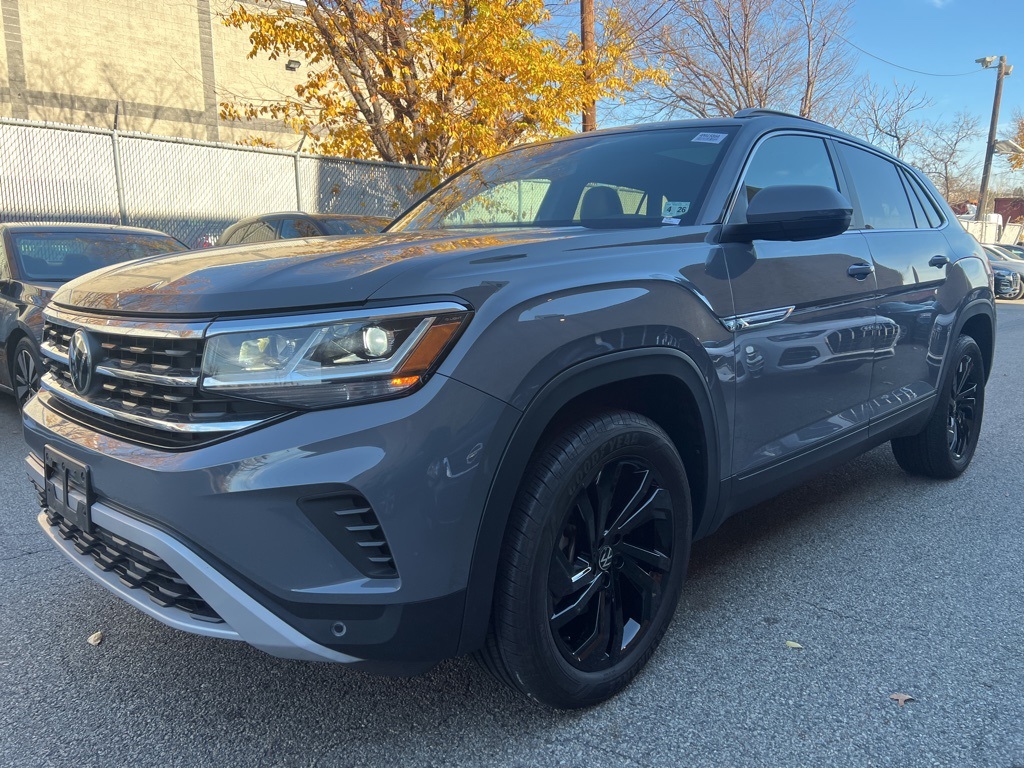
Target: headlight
{"points": [[315, 361]]}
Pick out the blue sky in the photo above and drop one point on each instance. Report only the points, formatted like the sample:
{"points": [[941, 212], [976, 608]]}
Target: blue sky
{"points": [[945, 37], [936, 37]]}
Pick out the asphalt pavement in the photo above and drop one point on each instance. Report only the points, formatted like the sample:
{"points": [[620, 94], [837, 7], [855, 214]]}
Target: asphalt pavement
{"points": [[890, 584]]}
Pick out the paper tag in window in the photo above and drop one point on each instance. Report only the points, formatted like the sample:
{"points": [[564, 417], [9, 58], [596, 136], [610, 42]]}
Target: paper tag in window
{"points": [[670, 209], [709, 138], [671, 221]]}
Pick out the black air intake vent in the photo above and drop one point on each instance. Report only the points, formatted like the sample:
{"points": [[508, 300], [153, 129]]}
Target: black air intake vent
{"points": [[350, 524]]}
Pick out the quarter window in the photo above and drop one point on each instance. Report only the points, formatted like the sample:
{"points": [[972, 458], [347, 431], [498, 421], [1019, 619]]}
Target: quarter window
{"points": [[785, 160], [932, 215], [882, 197]]}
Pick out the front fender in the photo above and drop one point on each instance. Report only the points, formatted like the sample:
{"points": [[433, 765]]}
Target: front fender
{"points": [[584, 377]]}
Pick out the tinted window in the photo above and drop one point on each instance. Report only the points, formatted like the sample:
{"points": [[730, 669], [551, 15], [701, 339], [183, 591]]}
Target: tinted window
{"points": [[298, 228], [883, 200], [545, 184], [355, 225], [233, 234], [258, 232], [784, 160], [66, 255], [931, 213]]}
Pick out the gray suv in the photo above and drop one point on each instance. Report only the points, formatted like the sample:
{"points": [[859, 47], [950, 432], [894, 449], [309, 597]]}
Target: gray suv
{"points": [[497, 427]]}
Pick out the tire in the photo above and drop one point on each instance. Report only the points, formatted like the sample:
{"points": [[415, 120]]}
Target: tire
{"points": [[946, 445], [1020, 291], [25, 371], [580, 604]]}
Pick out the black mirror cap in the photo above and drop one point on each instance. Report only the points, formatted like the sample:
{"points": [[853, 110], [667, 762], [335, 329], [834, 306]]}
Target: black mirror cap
{"points": [[792, 212]]}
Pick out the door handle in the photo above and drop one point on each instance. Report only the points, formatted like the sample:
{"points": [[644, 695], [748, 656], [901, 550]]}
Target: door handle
{"points": [[939, 260], [860, 271]]}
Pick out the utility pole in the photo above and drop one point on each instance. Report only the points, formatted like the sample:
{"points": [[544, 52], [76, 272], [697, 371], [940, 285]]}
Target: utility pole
{"points": [[1001, 71], [589, 54]]}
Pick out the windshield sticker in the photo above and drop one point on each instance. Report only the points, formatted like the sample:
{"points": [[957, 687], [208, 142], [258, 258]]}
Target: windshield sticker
{"points": [[709, 138], [670, 209], [671, 221]]}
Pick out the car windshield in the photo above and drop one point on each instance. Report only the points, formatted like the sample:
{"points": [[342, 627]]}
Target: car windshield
{"points": [[1006, 254], [641, 178], [62, 256]]}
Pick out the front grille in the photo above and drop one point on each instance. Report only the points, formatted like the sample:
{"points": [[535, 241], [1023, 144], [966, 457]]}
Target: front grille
{"points": [[862, 338], [135, 568], [148, 388]]}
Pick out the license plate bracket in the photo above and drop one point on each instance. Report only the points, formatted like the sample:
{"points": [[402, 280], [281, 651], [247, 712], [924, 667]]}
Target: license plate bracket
{"points": [[68, 488]]}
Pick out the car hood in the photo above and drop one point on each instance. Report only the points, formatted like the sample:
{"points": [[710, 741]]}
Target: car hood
{"points": [[280, 275], [1009, 266]]}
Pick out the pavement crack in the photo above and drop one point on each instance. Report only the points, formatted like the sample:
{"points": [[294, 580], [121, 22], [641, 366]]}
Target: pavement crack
{"points": [[20, 555]]}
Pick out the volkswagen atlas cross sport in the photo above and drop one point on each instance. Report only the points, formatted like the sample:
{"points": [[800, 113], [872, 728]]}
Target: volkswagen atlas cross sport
{"points": [[497, 427]]}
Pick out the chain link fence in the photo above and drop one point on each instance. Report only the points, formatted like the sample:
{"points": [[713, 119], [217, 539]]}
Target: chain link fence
{"points": [[189, 189]]}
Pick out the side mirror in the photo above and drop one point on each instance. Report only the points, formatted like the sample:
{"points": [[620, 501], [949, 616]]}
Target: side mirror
{"points": [[792, 212]]}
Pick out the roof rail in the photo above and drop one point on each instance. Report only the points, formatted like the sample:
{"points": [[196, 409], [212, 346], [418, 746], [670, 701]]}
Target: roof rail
{"points": [[758, 111]]}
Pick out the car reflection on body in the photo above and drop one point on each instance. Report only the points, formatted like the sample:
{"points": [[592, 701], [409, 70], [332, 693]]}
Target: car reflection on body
{"points": [[36, 259], [1008, 271], [287, 226]]}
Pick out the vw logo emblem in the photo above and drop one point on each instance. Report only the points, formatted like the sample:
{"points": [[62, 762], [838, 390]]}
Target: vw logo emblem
{"points": [[80, 361], [604, 558]]}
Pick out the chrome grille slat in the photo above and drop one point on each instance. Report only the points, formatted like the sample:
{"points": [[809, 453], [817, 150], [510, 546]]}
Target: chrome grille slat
{"points": [[146, 382]]}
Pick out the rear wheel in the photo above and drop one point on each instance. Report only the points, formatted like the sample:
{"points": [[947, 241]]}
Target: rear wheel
{"points": [[25, 371], [594, 558], [946, 445]]}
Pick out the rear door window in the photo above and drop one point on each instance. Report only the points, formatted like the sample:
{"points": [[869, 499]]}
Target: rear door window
{"points": [[880, 192]]}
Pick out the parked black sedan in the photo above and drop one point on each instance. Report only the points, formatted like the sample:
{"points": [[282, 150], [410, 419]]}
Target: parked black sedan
{"points": [[285, 226], [36, 259]]}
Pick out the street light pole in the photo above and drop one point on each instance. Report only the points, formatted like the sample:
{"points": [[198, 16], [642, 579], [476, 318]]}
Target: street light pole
{"points": [[1002, 71]]}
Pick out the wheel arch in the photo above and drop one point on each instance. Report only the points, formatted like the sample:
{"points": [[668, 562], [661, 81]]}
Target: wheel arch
{"points": [[978, 321], [646, 380]]}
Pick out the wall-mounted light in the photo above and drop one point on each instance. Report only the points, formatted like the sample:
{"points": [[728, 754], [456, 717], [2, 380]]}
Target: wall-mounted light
{"points": [[292, 65]]}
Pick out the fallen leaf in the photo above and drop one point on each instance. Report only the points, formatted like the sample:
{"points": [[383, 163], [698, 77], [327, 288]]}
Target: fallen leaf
{"points": [[902, 698], [95, 638], [795, 646]]}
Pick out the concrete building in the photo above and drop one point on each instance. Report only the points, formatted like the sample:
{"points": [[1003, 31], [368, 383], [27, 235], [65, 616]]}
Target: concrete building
{"points": [[164, 65]]}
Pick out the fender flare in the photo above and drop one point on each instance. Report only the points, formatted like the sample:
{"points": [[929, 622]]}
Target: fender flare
{"points": [[570, 384], [973, 309]]}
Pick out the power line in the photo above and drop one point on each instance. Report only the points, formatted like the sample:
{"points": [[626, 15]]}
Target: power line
{"points": [[821, 22], [900, 66]]}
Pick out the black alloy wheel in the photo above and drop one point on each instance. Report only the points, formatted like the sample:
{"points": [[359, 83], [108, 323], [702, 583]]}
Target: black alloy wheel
{"points": [[945, 446], [25, 372], [593, 561], [963, 400], [609, 563]]}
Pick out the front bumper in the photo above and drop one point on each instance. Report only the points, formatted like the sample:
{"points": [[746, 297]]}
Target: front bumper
{"points": [[232, 520]]}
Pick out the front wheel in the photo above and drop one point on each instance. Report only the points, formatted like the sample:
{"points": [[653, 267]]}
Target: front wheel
{"points": [[593, 561], [25, 371], [946, 445]]}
